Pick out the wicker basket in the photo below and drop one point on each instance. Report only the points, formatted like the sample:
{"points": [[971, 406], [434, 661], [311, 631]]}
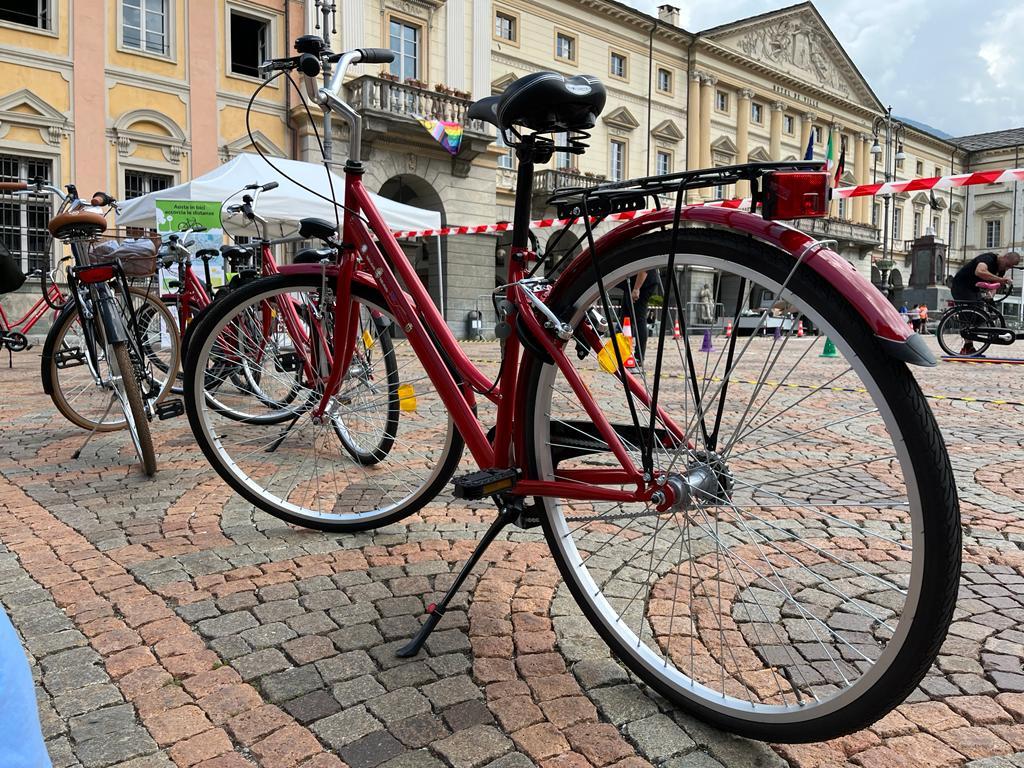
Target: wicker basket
{"points": [[135, 251]]}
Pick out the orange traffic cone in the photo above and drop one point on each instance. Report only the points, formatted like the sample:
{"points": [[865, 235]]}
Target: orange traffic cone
{"points": [[675, 330], [627, 331], [800, 329], [728, 328]]}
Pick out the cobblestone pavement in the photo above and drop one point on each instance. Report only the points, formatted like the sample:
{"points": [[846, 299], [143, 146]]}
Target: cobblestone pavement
{"points": [[169, 624]]}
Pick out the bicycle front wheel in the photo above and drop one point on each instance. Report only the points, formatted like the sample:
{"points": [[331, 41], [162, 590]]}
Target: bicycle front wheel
{"points": [[386, 444], [68, 370], [800, 578], [126, 388]]}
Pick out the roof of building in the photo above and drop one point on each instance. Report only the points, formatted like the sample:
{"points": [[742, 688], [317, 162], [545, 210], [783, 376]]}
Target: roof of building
{"points": [[992, 140]]}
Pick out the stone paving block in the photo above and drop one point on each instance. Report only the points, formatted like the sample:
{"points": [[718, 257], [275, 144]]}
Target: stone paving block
{"points": [[398, 705], [659, 738], [452, 690], [371, 750], [623, 703], [419, 731], [341, 729], [345, 666], [357, 637], [356, 690], [473, 747], [290, 683], [227, 624], [260, 663]]}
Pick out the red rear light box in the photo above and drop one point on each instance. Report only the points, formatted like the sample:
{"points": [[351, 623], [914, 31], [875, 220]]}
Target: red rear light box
{"points": [[795, 195]]}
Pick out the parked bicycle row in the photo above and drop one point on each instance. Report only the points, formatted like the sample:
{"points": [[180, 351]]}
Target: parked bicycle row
{"points": [[791, 601]]}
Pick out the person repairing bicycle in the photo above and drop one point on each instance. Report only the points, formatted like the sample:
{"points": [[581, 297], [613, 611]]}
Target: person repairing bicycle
{"points": [[985, 268]]}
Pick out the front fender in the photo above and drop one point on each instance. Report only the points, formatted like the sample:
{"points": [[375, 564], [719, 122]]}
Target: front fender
{"points": [[885, 322]]}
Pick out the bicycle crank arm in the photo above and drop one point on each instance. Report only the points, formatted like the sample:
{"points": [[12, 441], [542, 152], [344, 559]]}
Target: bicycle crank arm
{"points": [[991, 335]]}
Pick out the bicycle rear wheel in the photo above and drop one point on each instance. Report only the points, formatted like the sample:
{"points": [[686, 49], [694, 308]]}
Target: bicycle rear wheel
{"points": [[334, 475], [958, 321], [126, 388], [800, 578]]}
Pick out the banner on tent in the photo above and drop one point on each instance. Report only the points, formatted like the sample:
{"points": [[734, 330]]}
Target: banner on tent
{"points": [[182, 215]]}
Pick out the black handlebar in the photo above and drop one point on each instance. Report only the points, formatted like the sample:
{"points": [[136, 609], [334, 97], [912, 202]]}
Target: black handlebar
{"points": [[376, 55]]}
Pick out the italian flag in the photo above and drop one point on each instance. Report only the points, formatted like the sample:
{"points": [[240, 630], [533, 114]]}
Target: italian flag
{"points": [[830, 154]]}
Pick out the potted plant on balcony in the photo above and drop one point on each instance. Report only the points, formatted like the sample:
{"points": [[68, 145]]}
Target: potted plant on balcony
{"points": [[442, 88], [461, 94], [387, 75], [415, 82]]}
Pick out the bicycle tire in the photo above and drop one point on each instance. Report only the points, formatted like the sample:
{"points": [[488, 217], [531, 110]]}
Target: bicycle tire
{"points": [[136, 417], [355, 496], [955, 315], [935, 536], [60, 382]]}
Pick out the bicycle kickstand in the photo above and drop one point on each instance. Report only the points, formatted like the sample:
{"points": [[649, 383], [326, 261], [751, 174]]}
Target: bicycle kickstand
{"points": [[507, 513], [92, 432]]}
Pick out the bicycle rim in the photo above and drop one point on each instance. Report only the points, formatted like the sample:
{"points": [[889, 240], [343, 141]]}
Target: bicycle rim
{"points": [[957, 322], [126, 388], [780, 596], [296, 469]]}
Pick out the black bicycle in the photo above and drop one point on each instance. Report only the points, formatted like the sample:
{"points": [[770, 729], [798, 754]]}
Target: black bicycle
{"points": [[969, 328], [98, 361]]}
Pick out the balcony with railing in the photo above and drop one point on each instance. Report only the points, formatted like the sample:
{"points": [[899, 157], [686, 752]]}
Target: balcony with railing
{"points": [[848, 233], [388, 106]]}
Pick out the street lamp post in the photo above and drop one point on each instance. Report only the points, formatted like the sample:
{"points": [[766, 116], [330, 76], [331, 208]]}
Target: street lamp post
{"points": [[891, 132]]}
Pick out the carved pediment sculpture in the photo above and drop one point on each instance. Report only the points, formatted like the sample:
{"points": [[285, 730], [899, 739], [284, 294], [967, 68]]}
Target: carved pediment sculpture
{"points": [[795, 44]]}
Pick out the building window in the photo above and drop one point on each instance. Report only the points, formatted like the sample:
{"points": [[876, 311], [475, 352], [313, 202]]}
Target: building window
{"points": [[917, 223], [756, 112], [919, 168], [935, 224], [507, 157], [144, 25], [404, 39], [844, 143], [663, 163], [874, 214], [897, 224], [506, 27], [819, 133], [28, 13], [842, 208], [788, 125], [617, 67], [564, 161], [23, 218], [938, 170], [139, 183], [952, 233], [721, 101], [993, 233], [899, 165], [565, 47], [664, 80], [617, 160], [250, 43]]}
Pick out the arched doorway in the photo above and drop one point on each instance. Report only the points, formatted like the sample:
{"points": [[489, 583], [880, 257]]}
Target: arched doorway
{"points": [[428, 255]]}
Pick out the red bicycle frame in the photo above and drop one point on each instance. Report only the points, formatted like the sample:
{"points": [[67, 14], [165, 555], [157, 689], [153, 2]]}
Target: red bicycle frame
{"points": [[35, 313], [374, 251]]}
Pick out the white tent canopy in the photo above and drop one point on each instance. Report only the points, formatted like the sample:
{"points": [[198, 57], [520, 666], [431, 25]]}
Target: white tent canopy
{"points": [[282, 207]]}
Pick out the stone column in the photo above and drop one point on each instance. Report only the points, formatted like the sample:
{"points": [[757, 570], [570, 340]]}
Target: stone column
{"points": [[743, 135], [860, 172], [693, 122], [805, 132], [707, 95], [775, 140]]}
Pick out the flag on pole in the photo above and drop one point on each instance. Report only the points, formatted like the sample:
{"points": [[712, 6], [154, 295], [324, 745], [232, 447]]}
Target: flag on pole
{"points": [[447, 134], [809, 154], [830, 157], [840, 168]]}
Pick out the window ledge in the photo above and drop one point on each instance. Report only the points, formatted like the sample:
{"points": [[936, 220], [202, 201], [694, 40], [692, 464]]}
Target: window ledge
{"points": [[165, 57], [249, 79], [29, 28]]}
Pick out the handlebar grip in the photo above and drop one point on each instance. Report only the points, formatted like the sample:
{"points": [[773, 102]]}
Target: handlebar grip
{"points": [[309, 65], [13, 186], [375, 55], [102, 198], [269, 186]]}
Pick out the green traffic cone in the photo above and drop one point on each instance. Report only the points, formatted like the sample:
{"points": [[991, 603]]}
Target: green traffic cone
{"points": [[829, 350]]}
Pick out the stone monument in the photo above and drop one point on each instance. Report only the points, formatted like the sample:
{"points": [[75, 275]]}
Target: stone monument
{"points": [[927, 283]]}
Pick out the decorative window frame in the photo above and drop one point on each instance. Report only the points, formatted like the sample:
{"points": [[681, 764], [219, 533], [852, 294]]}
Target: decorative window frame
{"points": [[719, 93], [624, 77], [173, 146], [242, 144], [52, 31], [52, 124], [671, 158], [658, 68], [260, 13], [575, 46], [625, 157], [424, 38], [516, 27]]}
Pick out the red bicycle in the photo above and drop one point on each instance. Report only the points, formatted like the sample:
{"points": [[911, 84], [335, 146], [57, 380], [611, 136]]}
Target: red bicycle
{"points": [[767, 536], [13, 335]]}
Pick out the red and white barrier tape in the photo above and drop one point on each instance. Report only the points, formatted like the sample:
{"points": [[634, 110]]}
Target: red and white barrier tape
{"points": [[862, 190]]}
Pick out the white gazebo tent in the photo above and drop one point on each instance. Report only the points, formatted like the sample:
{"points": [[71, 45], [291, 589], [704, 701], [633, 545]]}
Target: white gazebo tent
{"points": [[282, 207]]}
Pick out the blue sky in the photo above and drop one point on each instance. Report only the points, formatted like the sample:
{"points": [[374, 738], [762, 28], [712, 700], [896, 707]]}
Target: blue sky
{"points": [[956, 65]]}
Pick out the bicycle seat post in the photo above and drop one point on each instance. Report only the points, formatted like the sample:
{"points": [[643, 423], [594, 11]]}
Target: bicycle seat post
{"points": [[524, 195]]}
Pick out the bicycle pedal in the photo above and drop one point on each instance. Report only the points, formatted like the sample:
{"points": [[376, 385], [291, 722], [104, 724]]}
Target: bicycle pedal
{"points": [[69, 358], [486, 482], [170, 409]]}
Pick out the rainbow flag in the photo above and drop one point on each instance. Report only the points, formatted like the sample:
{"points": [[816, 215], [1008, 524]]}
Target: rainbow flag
{"points": [[448, 135]]}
